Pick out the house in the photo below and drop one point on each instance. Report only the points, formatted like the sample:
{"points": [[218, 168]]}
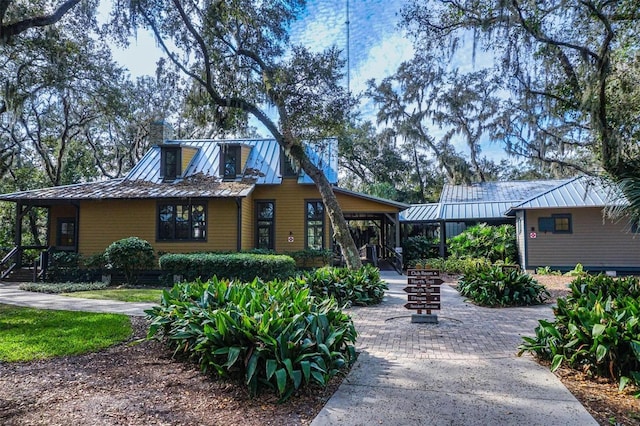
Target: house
{"points": [[205, 195], [567, 225], [559, 223]]}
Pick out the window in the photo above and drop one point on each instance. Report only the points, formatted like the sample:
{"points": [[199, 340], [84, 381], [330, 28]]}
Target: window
{"points": [[230, 164], [287, 168], [265, 225], [557, 224], [170, 163], [315, 225], [66, 233], [181, 222]]}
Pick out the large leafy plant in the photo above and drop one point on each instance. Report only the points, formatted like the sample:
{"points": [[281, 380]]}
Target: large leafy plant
{"points": [[500, 286], [495, 243], [596, 329], [361, 287], [273, 334]]}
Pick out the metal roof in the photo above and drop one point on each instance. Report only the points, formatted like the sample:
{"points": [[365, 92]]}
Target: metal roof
{"points": [[474, 211], [198, 186], [200, 177], [492, 200], [421, 213], [263, 163], [582, 191], [496, 191]]}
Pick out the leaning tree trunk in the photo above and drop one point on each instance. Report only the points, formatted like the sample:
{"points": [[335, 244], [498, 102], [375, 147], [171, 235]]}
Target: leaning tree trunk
{"points": [[339, 224]]}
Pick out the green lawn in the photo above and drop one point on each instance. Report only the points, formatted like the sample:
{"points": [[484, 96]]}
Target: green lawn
{"points": [[122, 294], [28, 334]]}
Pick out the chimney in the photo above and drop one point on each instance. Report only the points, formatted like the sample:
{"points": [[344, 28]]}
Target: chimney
{"points": [[160, 132]]}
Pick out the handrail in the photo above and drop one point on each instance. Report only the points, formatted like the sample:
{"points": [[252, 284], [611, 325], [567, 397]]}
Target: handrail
{"points": [[15, 254], [6, 259], [396, 258]]}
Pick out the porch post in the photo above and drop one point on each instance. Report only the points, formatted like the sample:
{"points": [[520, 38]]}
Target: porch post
{"points": [[17, 236], [443, 238]]}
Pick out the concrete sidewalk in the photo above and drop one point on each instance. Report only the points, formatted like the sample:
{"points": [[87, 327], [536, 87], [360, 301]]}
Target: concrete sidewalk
{"points": [[10, 294], [462, 371]]}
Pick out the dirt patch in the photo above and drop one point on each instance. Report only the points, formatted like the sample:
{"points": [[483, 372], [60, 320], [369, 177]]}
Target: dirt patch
{"points": [[139, 385]]}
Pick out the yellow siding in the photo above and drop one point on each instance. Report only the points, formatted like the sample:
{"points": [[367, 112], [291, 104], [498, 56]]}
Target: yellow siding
{"points": [[594, 242], [351, 204], [58, 212], [187, 155], [247, 223], [103, 222], [290, 199], [245, 150]]}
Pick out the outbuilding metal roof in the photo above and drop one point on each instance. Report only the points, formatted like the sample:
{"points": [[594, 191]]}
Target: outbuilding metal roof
{"points": [[474, 211], [496, 191], [478, 201], [582, 191]]}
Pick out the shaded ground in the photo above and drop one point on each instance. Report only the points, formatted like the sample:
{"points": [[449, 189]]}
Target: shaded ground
{"points": [[138, 385], [141, 385]]}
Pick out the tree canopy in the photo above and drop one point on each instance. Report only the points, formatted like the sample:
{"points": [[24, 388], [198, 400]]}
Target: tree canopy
{"points": [[569, 67]]}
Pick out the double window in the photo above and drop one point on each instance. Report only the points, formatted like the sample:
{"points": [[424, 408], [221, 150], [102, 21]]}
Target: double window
{"points": [[314, 214], [265, 228], [182, 222], [557, 224]]}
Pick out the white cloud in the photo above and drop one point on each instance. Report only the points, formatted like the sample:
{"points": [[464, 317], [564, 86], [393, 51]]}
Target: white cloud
{"points": [[382, 61]]}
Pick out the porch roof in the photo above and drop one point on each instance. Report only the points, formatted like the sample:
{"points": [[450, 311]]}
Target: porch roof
{"points": [[198, 186]]}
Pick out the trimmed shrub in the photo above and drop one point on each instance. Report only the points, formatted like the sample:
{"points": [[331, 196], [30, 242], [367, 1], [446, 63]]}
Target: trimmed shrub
{"points": [[273, 335], [54, 288], [498, 286], [454, 265], [596, 330], [240, 266], [362, 287], [483, 241], [311, 258], [130, 256]]}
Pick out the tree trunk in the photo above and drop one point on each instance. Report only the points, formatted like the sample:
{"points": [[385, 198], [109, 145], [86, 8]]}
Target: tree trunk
{"points": [[338, 223]]}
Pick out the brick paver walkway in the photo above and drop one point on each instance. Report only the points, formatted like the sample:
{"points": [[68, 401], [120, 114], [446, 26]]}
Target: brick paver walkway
{"points": [[464, 331]]}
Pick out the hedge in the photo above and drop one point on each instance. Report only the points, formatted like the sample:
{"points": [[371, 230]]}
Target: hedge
{"points": [[238, 266]]}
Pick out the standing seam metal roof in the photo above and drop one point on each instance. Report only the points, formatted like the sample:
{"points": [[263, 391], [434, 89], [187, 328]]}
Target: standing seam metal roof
{"points": [[582, 191]]}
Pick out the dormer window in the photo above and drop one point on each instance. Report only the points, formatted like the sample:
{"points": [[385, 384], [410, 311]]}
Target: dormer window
{"points": [[287, 168], [230, 161], [170, 163]]}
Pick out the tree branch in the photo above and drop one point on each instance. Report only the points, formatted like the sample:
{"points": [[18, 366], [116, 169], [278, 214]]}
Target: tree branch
{"points": [[13, 29]]}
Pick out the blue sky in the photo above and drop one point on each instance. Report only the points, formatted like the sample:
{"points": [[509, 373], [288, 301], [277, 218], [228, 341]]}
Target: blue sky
{"points": [[377, 45]]}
